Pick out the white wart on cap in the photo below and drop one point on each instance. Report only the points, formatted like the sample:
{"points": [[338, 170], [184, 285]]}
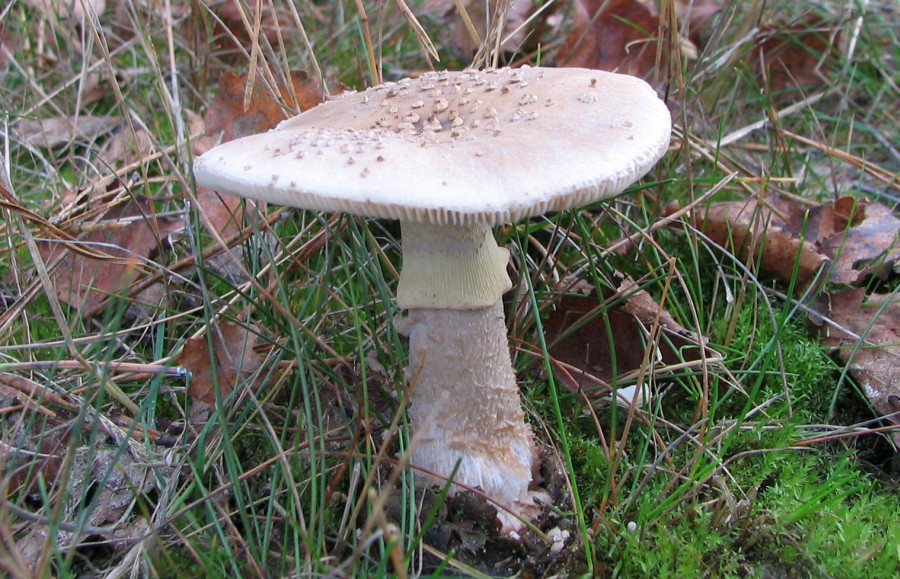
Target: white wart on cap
{"points": [[460, 148]]}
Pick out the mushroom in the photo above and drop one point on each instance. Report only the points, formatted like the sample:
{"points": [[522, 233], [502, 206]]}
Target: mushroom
{"points": [[449, 155]]}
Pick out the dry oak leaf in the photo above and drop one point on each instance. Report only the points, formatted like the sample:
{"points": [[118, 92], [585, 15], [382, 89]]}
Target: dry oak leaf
{"points": [[869, 247], [582, 325], [792, 55], [613, 35], [130, 233], [61, 131], [873, 354], [764, 233], [855, 237], [227, 117], [232, 363]]}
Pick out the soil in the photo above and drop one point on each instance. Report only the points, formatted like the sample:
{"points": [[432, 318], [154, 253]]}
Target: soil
{"points": [[466, 526]]}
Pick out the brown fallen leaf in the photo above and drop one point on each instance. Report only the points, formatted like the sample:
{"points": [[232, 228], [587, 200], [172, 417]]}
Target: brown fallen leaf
{"points": [[856, 238], [765, 234], [60, 131], [870, 248], [227, 118], [873, 355], [528, 22], [129, 232], [580, 327], [232, 363], [613, 35], [792, 55]]}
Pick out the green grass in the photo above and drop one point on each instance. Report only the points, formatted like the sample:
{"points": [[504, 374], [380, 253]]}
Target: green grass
{"points": [[761, 463]]}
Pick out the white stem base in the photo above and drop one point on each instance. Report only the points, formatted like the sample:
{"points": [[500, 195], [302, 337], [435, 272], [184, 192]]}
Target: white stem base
{"points": [[466, 406]]}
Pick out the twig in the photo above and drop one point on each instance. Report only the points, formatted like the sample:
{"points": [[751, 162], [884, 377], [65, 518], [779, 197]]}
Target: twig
{"points": [[742, 132], [130, 367], [61, 525], [470, 28], [367, 36], [421, 35], [878, 172]]}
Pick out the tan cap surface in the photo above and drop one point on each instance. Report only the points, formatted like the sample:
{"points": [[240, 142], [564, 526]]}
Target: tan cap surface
{"points": [[459, 148]]}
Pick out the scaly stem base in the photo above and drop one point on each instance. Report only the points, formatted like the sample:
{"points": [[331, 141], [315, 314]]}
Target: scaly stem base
{"points": [[466, 405]]}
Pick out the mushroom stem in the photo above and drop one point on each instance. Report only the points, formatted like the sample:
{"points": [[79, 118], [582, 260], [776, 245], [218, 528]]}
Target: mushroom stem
{"points": [[466, 407], [465, 402]]}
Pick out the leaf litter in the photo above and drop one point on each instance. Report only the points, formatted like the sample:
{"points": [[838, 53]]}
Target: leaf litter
{"points": [[102, 483], [130, 233], [866, 338], [101, 240], [218, 364], [61, 131], [618, 35], [831, 247], [624, 36], [72, 495], [788, 55], [598, 339]]}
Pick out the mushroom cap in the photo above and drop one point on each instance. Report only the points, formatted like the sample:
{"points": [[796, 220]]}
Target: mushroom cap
{"points": [[462, 148]]}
